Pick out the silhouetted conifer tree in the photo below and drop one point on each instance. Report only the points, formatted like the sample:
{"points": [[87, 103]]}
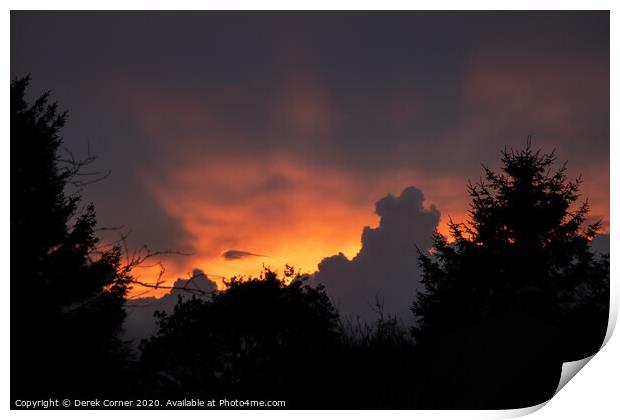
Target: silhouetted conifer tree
{"points": [[518, 281], [66, 294]]}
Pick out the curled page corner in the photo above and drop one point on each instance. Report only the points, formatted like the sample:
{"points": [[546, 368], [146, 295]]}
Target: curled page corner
{"points": [[569, 370], [613, 315], [518, 412]]}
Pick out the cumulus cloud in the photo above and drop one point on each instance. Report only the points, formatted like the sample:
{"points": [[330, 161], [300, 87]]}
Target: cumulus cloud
{"points": [[386, 268], [140, 322], [235, 254]]}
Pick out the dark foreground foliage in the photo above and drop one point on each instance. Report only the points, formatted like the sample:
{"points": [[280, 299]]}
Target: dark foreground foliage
{"points": [[258, 335], [272, 338], [516, 293], [66, 296]]}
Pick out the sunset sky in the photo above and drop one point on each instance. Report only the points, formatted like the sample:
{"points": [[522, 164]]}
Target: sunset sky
{"points": [[267, 137]]}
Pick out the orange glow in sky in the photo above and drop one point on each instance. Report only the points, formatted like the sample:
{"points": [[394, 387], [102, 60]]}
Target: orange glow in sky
{"points": [[292, 186], [310, 216]]}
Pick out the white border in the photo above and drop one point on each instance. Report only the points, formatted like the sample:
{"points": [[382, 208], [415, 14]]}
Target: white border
{"points": [[593, 394]]}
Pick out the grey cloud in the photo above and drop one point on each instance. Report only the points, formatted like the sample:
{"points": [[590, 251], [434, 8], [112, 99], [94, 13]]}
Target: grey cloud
{"points": [[140, 322], [386, 268], [600, 244], [235, 254]]}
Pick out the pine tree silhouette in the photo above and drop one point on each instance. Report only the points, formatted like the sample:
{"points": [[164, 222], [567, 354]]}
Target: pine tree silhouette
{"points": [[66, 294], [516, 292]]}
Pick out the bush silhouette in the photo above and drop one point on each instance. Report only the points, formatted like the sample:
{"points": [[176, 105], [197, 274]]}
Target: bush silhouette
{"points": [[262, 338]]}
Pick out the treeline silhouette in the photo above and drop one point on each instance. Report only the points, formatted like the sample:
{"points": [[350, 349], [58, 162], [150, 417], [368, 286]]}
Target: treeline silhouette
{"points": [[516, 292]]}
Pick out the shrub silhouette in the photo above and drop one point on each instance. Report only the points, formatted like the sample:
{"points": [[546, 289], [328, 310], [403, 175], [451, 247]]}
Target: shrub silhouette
{"points": [[262, 338], [66, 295], [515, 294]]}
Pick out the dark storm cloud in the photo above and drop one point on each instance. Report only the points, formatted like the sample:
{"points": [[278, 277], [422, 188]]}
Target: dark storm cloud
{"points": [[386, 268], [235, 254], [400, 86], [140, 322]]}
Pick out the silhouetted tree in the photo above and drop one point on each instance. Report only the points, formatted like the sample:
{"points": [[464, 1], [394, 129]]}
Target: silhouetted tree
{"points": [[518, 282], [262, 338], [66, 293]]}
